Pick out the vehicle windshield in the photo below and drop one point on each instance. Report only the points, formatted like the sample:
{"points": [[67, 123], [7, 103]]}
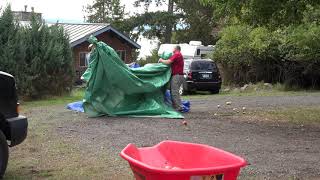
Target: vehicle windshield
{"points": [[203, 66]]}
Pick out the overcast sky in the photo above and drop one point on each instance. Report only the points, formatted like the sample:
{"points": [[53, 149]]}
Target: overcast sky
{"points": [[62, 10], [72, 11]]}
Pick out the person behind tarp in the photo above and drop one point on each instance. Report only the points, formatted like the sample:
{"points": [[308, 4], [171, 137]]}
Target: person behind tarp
{"points": [[90, 48], [176, 62], [85, 77]]}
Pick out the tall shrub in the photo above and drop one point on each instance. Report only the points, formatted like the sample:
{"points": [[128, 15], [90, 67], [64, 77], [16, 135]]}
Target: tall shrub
{"points": [[266, 65], [300, 50], [233, 53], [280, 44], [37, 55], [8, 32], [289, 55], [48, 59]]}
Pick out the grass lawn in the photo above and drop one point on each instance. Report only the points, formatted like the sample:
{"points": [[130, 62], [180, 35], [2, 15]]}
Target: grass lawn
{"points": [[45, 156], [203, 95], [297, 115], [76, 95]]}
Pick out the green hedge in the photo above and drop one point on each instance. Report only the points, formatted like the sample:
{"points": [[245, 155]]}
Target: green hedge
{"points": [[288, 55], [38, 56]]}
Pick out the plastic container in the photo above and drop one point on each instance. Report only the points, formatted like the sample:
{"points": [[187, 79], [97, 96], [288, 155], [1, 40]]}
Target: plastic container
{"points": [[172, 160]]}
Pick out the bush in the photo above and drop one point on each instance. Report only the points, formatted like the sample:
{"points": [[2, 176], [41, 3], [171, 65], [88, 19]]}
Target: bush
{"points": [[289, 55], [232, 52], [275, 43], [300, 49], [248, 54], [38, 56]]}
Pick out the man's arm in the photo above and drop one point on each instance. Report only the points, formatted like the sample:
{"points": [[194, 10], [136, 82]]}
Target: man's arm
{"points": [[165, 61], [169, 61]]}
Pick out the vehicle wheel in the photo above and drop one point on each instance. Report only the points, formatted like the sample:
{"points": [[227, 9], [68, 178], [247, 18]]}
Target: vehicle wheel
{"points": [[215, 91], [4, 154]]}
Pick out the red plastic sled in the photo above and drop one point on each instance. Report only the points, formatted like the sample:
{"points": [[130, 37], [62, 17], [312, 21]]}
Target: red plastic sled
{"points": [[172, 160]]}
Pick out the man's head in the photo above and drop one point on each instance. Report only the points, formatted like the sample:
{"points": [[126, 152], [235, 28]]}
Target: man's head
{"points": [[90, 47], [177, 48]]}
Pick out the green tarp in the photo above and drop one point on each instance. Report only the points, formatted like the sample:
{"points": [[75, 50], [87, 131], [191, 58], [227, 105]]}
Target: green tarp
{"points": [[114, 89]]}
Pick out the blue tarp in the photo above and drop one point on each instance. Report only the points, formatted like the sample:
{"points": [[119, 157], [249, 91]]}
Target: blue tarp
{"points": [[77, 106], [134, 65]]}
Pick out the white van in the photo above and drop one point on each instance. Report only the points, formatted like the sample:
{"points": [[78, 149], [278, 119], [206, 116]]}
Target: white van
{"points": [[193, 50]]}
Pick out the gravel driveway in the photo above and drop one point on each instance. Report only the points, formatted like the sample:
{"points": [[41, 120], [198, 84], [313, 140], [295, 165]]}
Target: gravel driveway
{"points": [[273, 151]]}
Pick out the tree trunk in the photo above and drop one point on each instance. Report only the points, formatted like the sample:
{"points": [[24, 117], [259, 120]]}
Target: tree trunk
{"points": [[169, 25]]}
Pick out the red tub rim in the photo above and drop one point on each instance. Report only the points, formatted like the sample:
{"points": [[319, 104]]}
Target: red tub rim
{"points": [[192, 171]]}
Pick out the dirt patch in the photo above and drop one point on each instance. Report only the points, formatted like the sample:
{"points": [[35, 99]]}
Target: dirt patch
{"points": [[273, 150]]}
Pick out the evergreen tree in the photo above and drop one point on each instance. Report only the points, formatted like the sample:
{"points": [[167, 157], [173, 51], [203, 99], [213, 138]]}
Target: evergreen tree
{"points": [[38, 56], [48, 58], [8, 30], [272, 13], [105, 11], [184, 20], [112, 12], [169, 14], [197, 23]]}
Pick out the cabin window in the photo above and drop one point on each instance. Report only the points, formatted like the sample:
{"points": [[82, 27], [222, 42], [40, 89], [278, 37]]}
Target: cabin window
{"points": [[84, 59], [122, 54]]}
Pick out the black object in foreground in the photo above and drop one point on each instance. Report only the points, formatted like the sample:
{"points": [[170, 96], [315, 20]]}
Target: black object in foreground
{"points": [[13, 127]]}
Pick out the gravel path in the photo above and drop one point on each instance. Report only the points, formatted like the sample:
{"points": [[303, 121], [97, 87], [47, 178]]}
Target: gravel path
{"points": [[274, 151], [254, 102]]}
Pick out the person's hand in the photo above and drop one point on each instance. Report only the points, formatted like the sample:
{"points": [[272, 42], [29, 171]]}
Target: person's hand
{"points": [[160, 60]]}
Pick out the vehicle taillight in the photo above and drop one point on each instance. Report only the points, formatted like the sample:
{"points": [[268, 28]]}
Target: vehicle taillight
{"points": [[18, 108], [190, 75]]}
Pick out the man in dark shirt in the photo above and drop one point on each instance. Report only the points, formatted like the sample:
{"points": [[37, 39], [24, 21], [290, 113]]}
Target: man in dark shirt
{"points": [[176, 62]]}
